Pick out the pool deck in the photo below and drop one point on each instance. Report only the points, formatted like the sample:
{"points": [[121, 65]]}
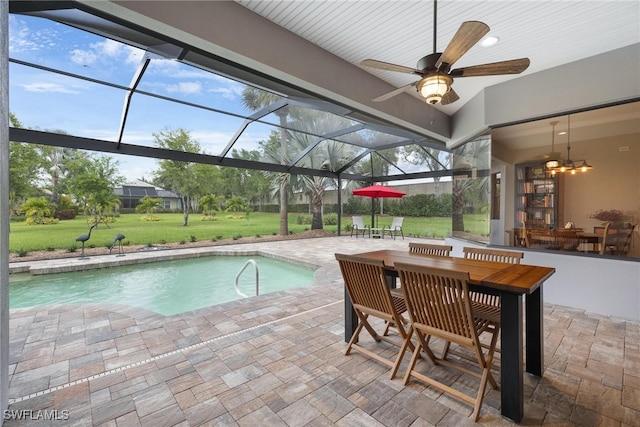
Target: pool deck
{"points": [[278, 360]]}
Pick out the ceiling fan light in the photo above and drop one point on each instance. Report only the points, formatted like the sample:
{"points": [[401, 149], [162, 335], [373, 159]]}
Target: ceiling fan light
{"points": [[433, 88]]}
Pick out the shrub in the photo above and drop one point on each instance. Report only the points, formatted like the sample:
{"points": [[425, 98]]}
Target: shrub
{"points": [[22, 252], [193, 239], [330, 219], [72, 248], [303, 219], [64, 214]]}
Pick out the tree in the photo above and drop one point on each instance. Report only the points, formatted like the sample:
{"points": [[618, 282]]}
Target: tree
{"points": [[148, 205], [470, 160], [24, 169], [329, 155], [91, 180], [38, 210], [210, 204], [255, 99], [55, 169], [236, 204], [179, 177]]}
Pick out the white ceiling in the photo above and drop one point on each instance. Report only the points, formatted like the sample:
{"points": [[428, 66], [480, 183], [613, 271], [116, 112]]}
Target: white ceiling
{"points": [[549, 33]]}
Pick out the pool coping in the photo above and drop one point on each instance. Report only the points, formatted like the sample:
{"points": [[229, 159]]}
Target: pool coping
{"points": [[65, 265]]}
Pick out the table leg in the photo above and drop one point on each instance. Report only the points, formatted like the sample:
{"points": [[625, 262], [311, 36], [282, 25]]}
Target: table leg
{"points": [[350, 317], [511, 370], [535, 334]]}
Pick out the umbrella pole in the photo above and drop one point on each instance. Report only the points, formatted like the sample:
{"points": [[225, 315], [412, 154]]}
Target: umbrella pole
{"points": [[373, 211]]}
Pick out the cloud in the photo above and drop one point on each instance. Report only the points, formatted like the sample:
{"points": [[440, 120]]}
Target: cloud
{"points": [[107, 51], [83, 57], [185, 87], [231, 91], [22, 38], [47, 87]]}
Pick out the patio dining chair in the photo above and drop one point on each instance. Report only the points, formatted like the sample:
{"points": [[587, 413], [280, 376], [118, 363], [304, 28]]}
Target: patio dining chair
{"points": [[358, 226], [395, 227], [486, 306], [429, 249], [438, 305], [370, 296]]}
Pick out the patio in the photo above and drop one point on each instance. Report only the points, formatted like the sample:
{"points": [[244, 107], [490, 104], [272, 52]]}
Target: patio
{"points": [[278, 360]]}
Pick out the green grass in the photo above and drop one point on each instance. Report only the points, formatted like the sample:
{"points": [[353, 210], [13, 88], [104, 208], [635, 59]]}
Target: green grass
{"points": [[169, 229]]}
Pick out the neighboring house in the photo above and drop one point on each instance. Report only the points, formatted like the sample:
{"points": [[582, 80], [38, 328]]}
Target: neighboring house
{"points": [[130, 194]]}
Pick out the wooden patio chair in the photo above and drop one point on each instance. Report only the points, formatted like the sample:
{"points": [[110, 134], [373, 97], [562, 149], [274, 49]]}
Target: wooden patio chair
{"points": [[358, 226], [370, 296], [439, 306], [429, 249], [487, 306]]}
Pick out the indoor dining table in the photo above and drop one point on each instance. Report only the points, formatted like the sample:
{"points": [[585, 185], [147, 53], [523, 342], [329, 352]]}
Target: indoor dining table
{"points": [[510, 282]]}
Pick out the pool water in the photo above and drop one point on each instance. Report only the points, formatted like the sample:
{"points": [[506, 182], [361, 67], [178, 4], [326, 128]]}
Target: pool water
{"points": [[167, 287]]}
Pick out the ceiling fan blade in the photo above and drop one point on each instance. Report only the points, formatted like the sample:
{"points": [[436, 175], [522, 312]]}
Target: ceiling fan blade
{"points": [[469, 33], [514, 66], [380, 65], [449, 97], [393, 93]]}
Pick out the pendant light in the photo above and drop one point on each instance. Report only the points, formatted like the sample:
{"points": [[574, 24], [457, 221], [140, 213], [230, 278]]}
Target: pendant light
{"points": [[554, 158], [569, 165]]}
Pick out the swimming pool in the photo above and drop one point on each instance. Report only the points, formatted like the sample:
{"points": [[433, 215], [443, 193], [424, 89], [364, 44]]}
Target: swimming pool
{"points": [[167, 287]]}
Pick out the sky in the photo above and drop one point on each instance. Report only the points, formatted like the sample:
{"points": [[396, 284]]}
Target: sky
{"points": [[45, 100], [49, 101]]}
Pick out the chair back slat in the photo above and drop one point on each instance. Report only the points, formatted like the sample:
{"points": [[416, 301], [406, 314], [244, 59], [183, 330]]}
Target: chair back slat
{"points": [[366, 284], [438, 300], [511, 257], [429, 249]]}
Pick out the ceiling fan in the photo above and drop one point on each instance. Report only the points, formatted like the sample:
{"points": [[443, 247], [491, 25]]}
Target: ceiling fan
{"points": [[435, 69]]}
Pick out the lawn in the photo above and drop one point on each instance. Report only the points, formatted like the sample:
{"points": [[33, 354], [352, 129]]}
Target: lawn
{"points": [[169, 229]]}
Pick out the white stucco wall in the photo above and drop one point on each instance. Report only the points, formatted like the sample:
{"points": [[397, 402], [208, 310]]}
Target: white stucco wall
{"points": [[595, 284]]}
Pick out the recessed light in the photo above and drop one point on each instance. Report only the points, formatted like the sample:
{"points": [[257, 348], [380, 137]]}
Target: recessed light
{"points": [[489, 41]]}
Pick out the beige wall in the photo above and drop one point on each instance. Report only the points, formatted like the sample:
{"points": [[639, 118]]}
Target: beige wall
{"points": [[614, 182]]}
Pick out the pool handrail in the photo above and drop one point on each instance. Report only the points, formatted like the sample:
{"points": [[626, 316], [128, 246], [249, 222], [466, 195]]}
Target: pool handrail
{"points": [[255, 267]]}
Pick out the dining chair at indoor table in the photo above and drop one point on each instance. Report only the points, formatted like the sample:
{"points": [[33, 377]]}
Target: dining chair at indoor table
{"points": [[511, 282]]}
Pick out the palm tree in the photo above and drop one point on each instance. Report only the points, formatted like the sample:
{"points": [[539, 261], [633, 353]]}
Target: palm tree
{"points": [[255, 99], [36, 209], [148, 205], [209, 203], [329, 155], [474, 155]]}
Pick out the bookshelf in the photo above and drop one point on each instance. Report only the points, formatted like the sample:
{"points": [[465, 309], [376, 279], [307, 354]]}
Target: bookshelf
{"points": [[536, 195]]}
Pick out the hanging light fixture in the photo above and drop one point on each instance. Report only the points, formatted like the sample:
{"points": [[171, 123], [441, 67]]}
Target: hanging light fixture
{"points": [[569, 165], [554, 160], [432, 88]]}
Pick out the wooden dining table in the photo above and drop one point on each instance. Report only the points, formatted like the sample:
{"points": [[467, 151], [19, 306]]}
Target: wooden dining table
{"points": [[511, 282]]}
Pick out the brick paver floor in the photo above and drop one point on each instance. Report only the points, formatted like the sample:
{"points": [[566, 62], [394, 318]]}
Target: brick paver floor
{"points": [[278, 360]]}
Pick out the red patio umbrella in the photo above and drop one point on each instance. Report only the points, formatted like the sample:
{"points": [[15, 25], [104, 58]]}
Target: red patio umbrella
{"points": [[377, 192]]}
